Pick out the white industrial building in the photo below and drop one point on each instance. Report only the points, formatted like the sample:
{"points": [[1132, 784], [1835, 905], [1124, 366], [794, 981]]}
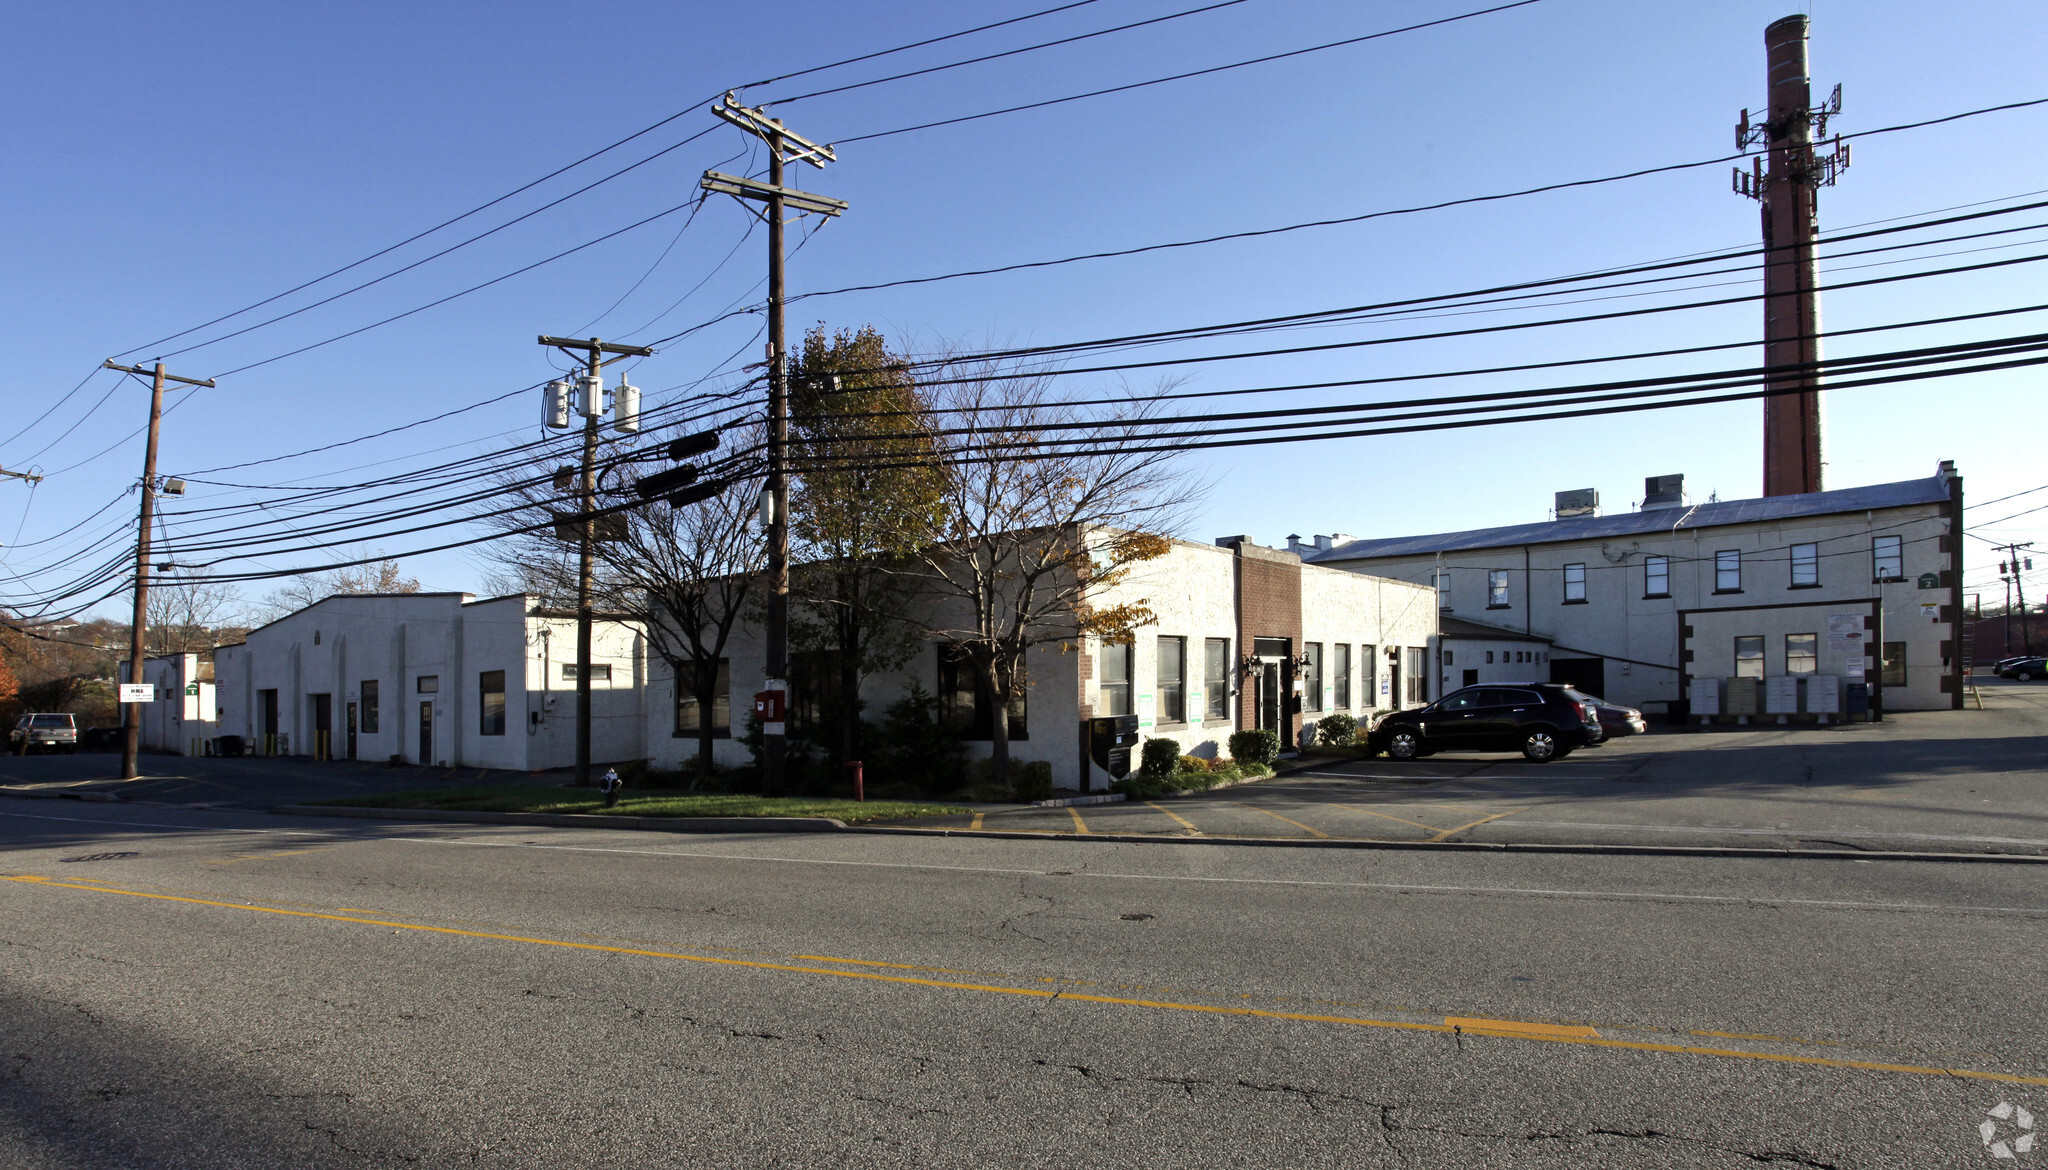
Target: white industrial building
{"points": [[433, 678], [1243, 637], [1854, 587], [183, 712]]}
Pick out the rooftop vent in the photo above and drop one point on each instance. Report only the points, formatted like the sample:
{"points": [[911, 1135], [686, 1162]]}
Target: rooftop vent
{"points": [[1663, 491], [1578, 502]]}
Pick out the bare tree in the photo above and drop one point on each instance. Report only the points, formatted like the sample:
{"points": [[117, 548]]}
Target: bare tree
{"points": [[296, 593], [186, 617], [685, 573], [1031, 531]]}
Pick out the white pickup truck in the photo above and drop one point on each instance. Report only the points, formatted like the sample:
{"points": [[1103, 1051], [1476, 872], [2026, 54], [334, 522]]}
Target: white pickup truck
{"points": [[48, 732]]}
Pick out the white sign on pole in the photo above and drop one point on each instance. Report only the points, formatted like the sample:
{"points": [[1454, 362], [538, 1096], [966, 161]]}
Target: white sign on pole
{"points": [[138, 693]]}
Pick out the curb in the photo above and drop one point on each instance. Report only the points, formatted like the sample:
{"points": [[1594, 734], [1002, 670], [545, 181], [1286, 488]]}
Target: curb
{"points": [[1468, 846], [584, 820], [1069, 801], [75, 794]]}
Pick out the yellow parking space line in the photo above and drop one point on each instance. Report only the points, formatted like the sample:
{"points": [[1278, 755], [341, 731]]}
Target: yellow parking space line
{"points": [[1178, 819], [1080, 826], [1447, 833], [1503, 1029], [976, 822], [1521, 1028], [1309, 829], [1387, 816]]}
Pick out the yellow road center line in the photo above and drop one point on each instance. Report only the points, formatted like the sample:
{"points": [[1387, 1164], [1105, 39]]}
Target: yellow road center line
{"points": [[976, 822], [1484, 1026], [1313, 832], [1504, 1029], [1080, 826], [1475, 824], [1178, 819], [1387, 816]]}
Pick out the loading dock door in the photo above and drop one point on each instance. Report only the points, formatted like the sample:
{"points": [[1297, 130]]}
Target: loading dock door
{"points": [[1581, 674]]}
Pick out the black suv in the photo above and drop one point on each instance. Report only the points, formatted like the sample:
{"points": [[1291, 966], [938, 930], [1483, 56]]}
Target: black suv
{"points": [[1544, 721]]}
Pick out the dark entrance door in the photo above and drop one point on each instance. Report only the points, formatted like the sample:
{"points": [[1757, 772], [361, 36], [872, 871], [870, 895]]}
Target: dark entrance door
{"points": [[323, 726], [1581, 674], [351, 731], [1269, 697], [426, 733], [269, 728], [1471, 679]]}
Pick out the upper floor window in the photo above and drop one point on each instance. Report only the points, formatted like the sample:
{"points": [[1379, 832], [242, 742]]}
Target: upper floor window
{"points": [[1656, 576], [1574, 583], [1496, 589], [1728, 571], [1887, 558], [1805, 566]]}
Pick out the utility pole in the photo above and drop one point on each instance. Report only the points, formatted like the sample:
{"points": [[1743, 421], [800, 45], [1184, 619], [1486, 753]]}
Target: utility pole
{"points": [[131, 713], [783, 146], [28, 477], [1788, 192], [591, 401], [2019, 586]]}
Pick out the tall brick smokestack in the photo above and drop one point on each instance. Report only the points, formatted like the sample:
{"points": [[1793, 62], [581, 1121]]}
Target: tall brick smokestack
{"points": [[1792, 421]]}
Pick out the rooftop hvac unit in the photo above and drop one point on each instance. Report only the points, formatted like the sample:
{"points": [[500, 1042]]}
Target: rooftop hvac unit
{"points": [[1663, 491], [1580, 502]]}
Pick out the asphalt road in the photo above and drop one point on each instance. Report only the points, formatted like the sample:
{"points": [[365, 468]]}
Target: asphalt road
{"points": [[226, 989]]}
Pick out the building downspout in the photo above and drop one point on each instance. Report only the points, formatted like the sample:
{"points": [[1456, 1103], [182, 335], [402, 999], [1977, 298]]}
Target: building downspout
{"points": [[1960, 669]]}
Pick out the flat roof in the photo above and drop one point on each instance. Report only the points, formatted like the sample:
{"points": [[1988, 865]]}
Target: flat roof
{"points": [[1933, 489]]}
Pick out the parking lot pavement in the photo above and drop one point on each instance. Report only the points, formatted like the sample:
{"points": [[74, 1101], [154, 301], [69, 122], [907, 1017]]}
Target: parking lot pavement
{"points": [[1947, 781]]}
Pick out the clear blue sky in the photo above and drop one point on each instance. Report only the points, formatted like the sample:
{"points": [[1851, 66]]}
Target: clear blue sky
{"points": [[171, 164]]}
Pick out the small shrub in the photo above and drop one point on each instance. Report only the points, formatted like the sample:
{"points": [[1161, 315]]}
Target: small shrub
{"points": [[1139, 786], [1031, 780], [1252, 771], [1255, 747], [1192, 764], [1160, 757], [1336, 730], [1224, 775]]}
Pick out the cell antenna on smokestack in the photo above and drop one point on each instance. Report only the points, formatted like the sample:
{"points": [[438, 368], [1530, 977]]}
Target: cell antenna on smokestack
{"points": [[1788, 191]]}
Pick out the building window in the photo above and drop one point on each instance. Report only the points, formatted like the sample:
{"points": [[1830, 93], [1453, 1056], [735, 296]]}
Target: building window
{"points": [[967, 701], [599, 672], [1802, 653], [1312, 676], [1496, 589], [367, 716], [1340, 667], [1216, 677], [1368, 677], [429, 684], [1893, 671], [690, 712], [1887, 558], [1489, 658], [1749, 656], [1418, 680], [1172, 682], [1728, 571], [1805, 566], [490, 708], [1113, 686], [1575, 584], [1656, 576]]}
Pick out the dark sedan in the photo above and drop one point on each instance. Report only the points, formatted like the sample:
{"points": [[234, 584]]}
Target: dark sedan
{"points": [[1544, 721], [2025, 669], [1617, 720]]}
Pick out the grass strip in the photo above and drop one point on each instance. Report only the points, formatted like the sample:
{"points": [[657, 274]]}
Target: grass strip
{"points": [[547, 799]]}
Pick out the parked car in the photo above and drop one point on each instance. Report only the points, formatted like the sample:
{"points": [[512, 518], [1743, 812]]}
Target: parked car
{"points": [[1616, 720], [2024, 669], [102, 739], [1544, 721], [56, 733]]}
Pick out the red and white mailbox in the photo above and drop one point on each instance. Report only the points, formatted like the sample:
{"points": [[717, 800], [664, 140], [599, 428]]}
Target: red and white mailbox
{"points": [[769, 705]]}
